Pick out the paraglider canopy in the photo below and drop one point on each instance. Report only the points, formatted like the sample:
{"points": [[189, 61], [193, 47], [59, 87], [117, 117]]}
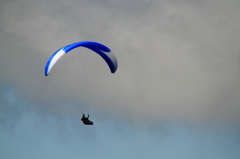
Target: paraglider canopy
{"points": [[98, 48]]}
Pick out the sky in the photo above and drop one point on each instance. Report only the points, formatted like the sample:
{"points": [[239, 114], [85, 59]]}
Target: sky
{"points": [[175, 94]]}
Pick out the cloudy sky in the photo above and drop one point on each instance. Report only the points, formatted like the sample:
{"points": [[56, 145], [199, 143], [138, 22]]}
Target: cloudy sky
{"points": [[175, 93]]}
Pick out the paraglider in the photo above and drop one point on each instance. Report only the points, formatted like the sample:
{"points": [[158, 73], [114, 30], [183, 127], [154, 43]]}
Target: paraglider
{"points": [[98, 48], [86, 121]]}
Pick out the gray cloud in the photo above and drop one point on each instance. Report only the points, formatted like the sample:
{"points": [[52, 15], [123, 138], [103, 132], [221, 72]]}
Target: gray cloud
{"points": [[178, 61]]}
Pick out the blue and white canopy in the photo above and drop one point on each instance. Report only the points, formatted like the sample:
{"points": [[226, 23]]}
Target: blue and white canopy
{"points": [[100, 49]]}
